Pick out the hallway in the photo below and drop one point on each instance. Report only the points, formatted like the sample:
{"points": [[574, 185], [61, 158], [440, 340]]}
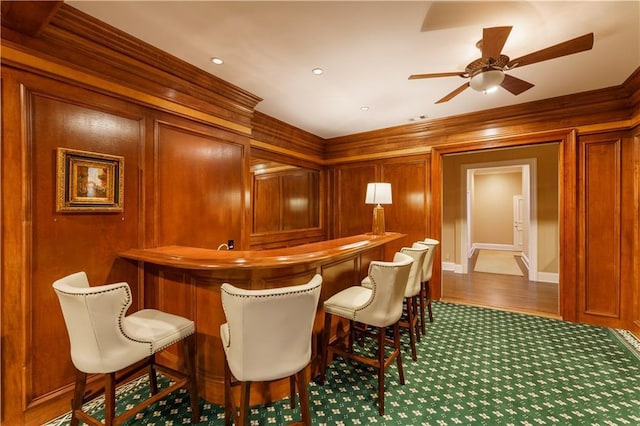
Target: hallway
{"points": [[500, 291]]}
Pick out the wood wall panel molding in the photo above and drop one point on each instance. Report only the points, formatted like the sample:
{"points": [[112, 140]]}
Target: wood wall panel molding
{"points": [[435, 174], [14, 275], [198, 188], [568, 217], [635, 229], [601, 176], [351, 215], [286, 239], [408, 213]]}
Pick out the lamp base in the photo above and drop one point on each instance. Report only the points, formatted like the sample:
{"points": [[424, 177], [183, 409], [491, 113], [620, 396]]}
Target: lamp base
{"points": [[378, 220]]}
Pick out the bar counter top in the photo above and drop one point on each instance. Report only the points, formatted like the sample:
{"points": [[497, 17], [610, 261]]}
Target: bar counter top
{"points": [[195, 258], [186, 281]]}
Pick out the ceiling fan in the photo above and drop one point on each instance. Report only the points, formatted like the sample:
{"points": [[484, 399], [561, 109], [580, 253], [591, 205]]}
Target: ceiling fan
{"points": [[488, 72]]}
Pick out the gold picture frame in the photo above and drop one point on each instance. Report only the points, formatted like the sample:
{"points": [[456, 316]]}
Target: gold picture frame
{"points": [[89, 181]]}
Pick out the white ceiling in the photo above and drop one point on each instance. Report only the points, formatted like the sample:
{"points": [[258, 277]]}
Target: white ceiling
{"points": [[368, 50]]}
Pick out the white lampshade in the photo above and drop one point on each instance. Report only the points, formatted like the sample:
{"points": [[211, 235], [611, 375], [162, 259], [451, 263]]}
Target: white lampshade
{"points": [[378, 193], [486, 80]]}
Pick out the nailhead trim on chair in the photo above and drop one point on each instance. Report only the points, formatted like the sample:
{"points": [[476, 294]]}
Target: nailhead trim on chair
{"points": [[264, 295], [269, 295], [373, 287], [172, 342], [122, 312]]}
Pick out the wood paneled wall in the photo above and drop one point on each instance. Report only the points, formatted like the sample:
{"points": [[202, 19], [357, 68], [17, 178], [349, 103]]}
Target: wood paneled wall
{"points": [[196, 186], [408, 214], [607, 223], [286, 201], [69, 80], [181, 186], [63, 243]]}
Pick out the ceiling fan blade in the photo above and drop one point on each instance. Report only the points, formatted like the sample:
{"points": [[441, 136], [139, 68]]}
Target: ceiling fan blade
{"points": [[493, 40], [454, 93], [569, 47], [435, 75], [515, 85]]}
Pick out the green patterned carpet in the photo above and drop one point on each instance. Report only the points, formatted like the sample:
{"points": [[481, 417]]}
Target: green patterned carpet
{"points": [[476, 366]]}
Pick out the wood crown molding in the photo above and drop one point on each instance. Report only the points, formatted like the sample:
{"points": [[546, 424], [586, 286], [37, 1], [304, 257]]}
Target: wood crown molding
{"points": [[28, 17], [79, 41], [13, 55], [274, 132]]}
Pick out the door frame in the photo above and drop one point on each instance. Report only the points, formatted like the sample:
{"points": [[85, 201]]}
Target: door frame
{"points": [[567, 211], [528, 170]]}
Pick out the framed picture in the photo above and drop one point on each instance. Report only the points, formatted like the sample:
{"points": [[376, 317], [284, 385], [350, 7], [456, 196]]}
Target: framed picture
{"points": [[89, 181]]}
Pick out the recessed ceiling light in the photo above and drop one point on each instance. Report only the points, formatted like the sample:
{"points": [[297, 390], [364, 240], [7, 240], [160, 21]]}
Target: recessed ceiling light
{"points": [[317, 71], [217, 61], [364, 108]]}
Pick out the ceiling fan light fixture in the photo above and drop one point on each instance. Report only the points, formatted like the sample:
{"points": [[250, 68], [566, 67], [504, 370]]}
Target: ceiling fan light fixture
{"points": [[484, 81]]}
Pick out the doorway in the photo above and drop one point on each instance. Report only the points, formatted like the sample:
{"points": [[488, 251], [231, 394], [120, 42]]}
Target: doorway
{"points": [[537, 228], [500, 210]]}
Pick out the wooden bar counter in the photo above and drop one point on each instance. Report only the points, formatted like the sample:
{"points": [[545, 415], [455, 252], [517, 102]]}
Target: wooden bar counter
{"points": [[186, 281]]}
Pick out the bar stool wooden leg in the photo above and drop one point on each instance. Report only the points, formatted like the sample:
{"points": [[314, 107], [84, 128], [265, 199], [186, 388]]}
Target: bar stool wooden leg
{"points": [[304, 397], [416, 315], [245, 397], [292, 391], [78, 396], [396, 345], [411, 327], [189, 351], [428, 291], [230, 413], [423, 297], [325, 347], [109, 398], [153, 377], [381, 368]]}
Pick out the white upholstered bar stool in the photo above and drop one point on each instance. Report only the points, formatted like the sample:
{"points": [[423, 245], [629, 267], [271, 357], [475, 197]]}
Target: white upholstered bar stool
{"points": [[267, 337], [425, 298], [411, 295], [105, 341], [377, 307]]}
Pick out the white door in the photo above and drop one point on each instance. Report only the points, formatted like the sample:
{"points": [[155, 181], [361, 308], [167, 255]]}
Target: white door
{"points": [[518, 222]]}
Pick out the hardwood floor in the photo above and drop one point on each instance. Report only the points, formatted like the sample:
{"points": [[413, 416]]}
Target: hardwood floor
{"points": [[506, 292]]}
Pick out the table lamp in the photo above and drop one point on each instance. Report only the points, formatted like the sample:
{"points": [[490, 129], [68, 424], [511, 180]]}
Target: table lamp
{"points": [[378, 193]]}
